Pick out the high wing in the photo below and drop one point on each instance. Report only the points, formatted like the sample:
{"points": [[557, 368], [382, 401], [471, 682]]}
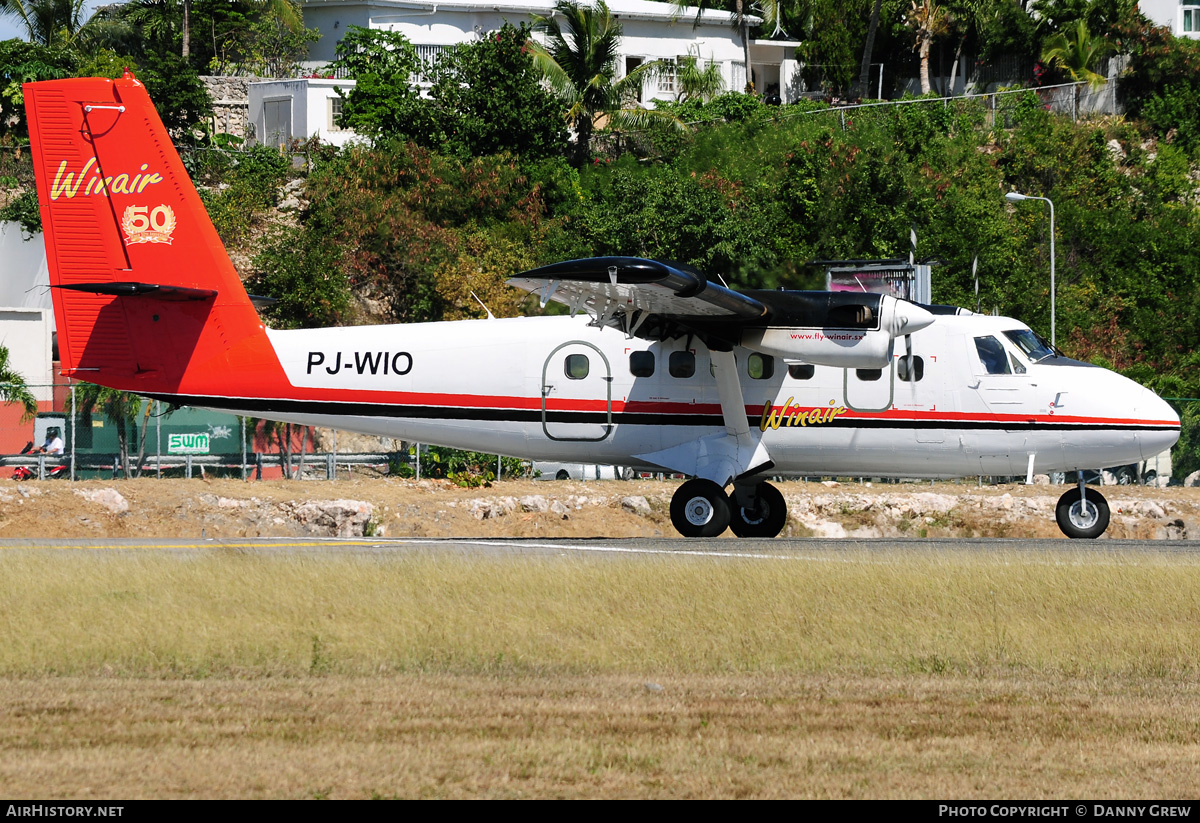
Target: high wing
{"points": [[656, 300], [627, 292]]}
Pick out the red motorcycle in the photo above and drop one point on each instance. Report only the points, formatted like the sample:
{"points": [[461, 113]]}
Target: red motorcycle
{"points": [[29, 473]]}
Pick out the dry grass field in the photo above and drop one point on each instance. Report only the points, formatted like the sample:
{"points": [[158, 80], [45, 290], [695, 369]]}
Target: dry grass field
{"points": [[833, 674]]}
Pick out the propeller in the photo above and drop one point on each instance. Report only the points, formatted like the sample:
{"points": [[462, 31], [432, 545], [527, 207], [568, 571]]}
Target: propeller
{"points": [[908, 360]]}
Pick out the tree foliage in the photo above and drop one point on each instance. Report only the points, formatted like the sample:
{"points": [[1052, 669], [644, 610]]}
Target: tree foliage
{"points": [[579, 61], [13, 388], [485, 97]]}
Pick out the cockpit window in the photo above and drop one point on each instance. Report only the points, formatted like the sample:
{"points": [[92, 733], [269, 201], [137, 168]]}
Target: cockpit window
{"points": [[992, 355], [1030, 344]]}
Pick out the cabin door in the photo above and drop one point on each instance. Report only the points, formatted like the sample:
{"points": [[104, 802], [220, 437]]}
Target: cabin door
{"points": [[577, 393]]}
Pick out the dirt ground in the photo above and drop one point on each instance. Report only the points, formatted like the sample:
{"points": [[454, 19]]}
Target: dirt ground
{"points": [[391, 507]]}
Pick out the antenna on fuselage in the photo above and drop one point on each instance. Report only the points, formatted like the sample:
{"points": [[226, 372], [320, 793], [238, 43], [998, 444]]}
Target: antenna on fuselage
{"points": [[490, 316]]}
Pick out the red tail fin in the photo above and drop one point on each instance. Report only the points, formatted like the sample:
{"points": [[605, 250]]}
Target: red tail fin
{"points": [[145, 297]]}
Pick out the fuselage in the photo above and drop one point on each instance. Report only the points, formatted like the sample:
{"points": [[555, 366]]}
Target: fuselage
{"points": [[984, 399]]}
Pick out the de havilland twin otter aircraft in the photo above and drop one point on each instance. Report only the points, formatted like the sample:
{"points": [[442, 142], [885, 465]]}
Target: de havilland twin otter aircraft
{"points": [[655, 367]]}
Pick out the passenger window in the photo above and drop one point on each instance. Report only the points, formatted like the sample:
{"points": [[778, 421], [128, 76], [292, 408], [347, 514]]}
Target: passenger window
{"points": [[992, 355], [802, 371], [641, 363], [869, 375], [902, 367], [760, 366], [576, 366], [682, 364]]}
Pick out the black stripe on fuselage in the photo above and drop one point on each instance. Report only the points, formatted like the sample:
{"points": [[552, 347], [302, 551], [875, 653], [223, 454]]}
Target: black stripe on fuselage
{"points": [[412, 412]]}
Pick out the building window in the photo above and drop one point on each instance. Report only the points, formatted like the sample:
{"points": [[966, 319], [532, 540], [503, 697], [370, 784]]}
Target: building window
{"points": [[335, 114], [668, 77], [1191, 19]]}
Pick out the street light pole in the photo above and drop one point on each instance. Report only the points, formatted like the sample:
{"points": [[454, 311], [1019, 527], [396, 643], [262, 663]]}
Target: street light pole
{"points": [[1014, 197]]}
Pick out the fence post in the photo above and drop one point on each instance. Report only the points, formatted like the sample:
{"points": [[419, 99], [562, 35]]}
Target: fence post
{"points": [[42, 466], [187, 461], [243, 447], [329, 466], [72, 430], [258, 465], [158, 439]]}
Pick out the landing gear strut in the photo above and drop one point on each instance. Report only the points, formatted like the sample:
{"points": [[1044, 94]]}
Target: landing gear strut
{"points": [[700, 508], [1082, 512]]}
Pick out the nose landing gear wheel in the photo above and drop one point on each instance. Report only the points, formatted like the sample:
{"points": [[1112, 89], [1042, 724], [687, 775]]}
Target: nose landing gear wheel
{"points": [[700, 508], [1086, 518], [766, 519]]}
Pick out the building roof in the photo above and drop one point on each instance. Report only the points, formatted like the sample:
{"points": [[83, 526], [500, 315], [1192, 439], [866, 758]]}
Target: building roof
{"points": [[622, 9]]}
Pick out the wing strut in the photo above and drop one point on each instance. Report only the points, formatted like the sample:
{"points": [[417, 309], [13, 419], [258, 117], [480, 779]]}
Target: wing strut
{"points": [[721, 458]]}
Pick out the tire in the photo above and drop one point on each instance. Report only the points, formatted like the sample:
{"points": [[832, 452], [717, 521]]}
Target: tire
{"points": [[1077, 523], [769, 518], [700, 508]]}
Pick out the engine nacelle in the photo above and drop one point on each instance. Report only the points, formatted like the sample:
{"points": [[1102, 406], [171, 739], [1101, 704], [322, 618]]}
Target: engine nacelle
{"points": [[851, 331]]}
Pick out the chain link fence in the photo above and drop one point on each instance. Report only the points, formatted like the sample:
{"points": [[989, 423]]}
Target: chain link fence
{"points": [[80, 438]]}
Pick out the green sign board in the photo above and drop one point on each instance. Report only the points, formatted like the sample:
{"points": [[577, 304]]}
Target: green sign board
{"points": [[187, 443]]}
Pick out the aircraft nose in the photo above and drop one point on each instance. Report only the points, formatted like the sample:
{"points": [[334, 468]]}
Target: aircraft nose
{"points": [[1161, 421]]}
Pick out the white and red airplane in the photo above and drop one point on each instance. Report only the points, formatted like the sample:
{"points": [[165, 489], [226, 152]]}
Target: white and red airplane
{"points": [[655, 367]]}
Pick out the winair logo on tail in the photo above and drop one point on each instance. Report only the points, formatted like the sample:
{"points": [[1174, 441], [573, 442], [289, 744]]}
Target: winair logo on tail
{"points": [[773, 418], [69, 184]]}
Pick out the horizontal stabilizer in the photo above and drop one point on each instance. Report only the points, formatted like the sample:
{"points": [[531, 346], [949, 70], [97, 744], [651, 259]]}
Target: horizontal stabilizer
{"points": [[142, 290]]}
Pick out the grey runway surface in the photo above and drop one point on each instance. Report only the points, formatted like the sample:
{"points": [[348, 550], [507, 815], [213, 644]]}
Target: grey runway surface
{"points": [[800, 548]]}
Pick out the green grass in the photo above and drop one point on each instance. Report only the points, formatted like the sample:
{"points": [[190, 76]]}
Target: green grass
{"points": [[230, 614]]}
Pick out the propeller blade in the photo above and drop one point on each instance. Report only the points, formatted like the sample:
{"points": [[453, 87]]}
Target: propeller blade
{"points": [[908, 357]]}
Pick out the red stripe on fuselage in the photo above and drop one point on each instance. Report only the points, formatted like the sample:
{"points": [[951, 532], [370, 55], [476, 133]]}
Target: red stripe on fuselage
{"points": [[677, 409]]}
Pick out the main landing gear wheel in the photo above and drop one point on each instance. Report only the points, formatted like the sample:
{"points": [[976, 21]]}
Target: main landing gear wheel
{"points": [[766, 519], [1086, 518], [700, 508]]}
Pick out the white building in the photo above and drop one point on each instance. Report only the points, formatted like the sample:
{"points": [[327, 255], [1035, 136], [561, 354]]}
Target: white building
{"points": [[282, 110], [1182, 17], [26, 313], [652, 31]]}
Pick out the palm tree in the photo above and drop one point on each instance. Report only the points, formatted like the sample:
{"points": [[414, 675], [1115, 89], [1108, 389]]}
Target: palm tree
{"points": [[13, 388], [47, 22], [579, 61], [120, 407], [1076, 52], [865, 68], [697, 83], [927, 21]]}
